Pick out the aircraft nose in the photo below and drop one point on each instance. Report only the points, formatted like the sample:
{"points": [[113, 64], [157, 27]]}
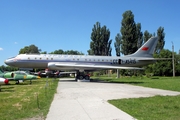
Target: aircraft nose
{"points": [[8, 61]]}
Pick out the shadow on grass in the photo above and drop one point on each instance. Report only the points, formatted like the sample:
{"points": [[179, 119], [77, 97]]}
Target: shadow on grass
{"points": [[7, 89], [119, 82], [67, 81], [96, 80], [19, 84]]}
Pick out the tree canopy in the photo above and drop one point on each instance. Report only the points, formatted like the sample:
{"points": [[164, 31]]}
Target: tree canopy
{"points": [[129, 34], [100, 44], [161, 41], [117, 44], [29, 49], [161, 67], [69, 52]]}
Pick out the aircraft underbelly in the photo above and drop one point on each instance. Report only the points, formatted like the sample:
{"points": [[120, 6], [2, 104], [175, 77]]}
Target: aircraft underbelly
{"points": [[72, 68]]}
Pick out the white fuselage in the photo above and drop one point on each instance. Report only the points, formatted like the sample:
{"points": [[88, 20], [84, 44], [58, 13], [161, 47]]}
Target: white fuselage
{"points": [[42, 61]]}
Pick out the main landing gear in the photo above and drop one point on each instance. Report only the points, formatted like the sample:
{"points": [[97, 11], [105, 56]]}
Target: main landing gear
{"points": [[82, 75]]}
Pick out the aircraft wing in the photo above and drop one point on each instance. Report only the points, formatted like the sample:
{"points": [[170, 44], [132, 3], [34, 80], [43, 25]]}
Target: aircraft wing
{"points": [[150, 59], [8, 78], [89, 66]]}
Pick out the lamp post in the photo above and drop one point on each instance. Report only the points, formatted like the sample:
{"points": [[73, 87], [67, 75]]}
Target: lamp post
{"points": [[173, 59]]}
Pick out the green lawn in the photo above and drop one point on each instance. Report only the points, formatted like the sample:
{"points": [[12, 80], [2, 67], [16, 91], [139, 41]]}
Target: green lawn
{"points": [[152, 108], [25, 101], [29, 101], [166, 83]]}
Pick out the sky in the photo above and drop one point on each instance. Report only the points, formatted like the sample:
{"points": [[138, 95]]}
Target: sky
{"points": [[67, 24]]}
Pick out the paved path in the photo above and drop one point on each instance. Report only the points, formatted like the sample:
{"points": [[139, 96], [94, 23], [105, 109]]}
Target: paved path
{"points": [[88, 100]]}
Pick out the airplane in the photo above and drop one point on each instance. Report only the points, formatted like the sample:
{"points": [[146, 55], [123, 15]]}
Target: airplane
{"points": [[47, 72], [18, 76], [3, 81], [84, 63]]}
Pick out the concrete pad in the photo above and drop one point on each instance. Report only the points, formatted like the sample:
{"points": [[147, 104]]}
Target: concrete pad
{"points": [[83, 80], [88, 100]]}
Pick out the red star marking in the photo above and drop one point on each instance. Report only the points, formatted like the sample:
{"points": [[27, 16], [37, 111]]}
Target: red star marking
{"points": [[145, 48]]}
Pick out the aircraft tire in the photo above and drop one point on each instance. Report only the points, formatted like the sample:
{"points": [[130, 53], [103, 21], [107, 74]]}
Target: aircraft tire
{"points": [[81, 77], [17, 82], [86, 77]]}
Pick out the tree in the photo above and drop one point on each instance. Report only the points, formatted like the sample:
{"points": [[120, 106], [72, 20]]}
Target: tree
{"points": [[139, 35], [161, 41], [73, 52], [117, 44], [44, 52], [8, 68], [162, 67], [147, 35], [100, 44], [69, 52], [177, 64], [60, 51], [29, 49], [129, 35]]}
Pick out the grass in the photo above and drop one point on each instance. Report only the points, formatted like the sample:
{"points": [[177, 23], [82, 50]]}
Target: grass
{"points": [[27, 101], [151, 108], [166, 83], [19, 102]]}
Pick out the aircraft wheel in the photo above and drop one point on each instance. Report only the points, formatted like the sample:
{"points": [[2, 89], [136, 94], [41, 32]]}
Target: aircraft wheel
{"points": [[87, 77], [17, 82], [81, 77]]}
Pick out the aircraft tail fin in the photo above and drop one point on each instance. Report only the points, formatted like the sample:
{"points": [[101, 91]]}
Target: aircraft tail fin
{"points": [[147, 49]]}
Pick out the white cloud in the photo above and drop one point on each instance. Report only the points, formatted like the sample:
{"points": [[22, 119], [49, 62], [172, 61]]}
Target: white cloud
{"points": [[15, 43], [1, 49]]}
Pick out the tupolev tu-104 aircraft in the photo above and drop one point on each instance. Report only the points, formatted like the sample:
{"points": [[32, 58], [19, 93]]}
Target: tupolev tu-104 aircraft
{"points": [[80, 63]]}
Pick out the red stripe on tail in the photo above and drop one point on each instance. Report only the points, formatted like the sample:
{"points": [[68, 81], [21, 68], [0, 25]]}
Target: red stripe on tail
{"points": [[145, 48]]}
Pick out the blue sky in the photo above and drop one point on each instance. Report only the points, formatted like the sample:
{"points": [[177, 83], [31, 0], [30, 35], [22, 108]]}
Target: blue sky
{"points": [[67, 24]]}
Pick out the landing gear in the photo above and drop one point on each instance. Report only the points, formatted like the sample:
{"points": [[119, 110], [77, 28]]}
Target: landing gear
{"points": [[87, 77], [17, 82], [81, 76]]}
